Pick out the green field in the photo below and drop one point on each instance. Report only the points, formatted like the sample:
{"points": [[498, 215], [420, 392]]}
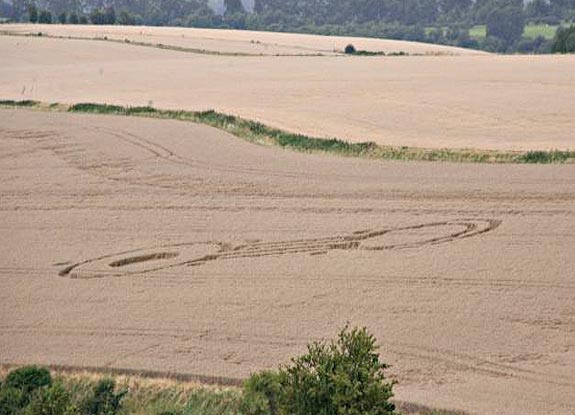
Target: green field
{"points": [[531, 31]]}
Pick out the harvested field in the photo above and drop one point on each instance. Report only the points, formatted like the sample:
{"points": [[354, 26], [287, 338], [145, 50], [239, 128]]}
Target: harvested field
{"points": [[478, 102], [238, 41], [168, 246]]}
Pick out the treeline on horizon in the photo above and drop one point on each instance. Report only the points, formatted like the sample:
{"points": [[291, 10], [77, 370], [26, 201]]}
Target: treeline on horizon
{"points": [[435, 21]]}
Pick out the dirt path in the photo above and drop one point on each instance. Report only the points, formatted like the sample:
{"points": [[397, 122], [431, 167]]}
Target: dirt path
{"points": [[181, 248]]}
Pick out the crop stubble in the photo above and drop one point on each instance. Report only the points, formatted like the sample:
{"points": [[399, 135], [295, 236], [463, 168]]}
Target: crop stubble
{"points": [[464, 101], [471, 292], [482, 323]]}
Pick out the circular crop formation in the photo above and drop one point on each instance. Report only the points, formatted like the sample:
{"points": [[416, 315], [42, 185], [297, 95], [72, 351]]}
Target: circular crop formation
{"points": [[163, 257]]}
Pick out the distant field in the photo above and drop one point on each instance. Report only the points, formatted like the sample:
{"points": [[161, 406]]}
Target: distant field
{"points": [[468, 101], [531, 31], [239, 41]]}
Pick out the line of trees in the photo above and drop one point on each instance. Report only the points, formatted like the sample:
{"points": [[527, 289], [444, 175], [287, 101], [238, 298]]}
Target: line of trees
{"points": [[435, 21], [564, 41]]}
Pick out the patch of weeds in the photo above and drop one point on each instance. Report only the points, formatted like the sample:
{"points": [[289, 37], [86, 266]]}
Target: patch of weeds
{"points": [[258, 132], [554, 156], [97, 108], [23, 103]]}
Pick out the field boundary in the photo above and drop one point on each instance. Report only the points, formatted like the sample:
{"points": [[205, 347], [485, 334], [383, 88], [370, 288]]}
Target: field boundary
{"points": [[259, 133], [175, 48], [197, 382], [138, 373], [320, 53]]}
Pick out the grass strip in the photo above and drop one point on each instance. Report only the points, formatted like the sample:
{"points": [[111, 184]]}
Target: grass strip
{"points": [[154, 393], [262, 134]]}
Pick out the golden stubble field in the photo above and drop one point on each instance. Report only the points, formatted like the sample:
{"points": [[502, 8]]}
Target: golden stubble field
{"points": [[464, 272], [483, 101], [164, 245], [237, 41]]}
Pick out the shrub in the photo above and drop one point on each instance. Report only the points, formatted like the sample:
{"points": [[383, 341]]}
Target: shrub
{"points": [[104, 400], [23, 103], [11, 400], [261, 394], [344, 377], [537, 45], [54, 400], [350, 49], [28, 378], [554, 156], [205, 402]]}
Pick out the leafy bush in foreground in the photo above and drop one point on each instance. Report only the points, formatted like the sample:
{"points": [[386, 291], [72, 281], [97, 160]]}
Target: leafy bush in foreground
{"points": [[344, 377], [261, 394], [11, 400], [52, 400], [28, 379], [20, 386], [104, 400]]}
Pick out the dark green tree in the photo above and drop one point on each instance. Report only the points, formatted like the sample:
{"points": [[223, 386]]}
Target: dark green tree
{"points": [[109, 15], [202, 17], [97, 17], [234, 7], [126, 19], [45, 16], [538, 9], [564, 41], [506, 24], [32, 13], [62, 18]]}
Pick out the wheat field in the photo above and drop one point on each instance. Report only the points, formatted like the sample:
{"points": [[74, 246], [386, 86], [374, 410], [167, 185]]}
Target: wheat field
{"points": [[163, 245]]}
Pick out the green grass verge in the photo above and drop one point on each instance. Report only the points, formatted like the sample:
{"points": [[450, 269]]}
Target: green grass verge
{"points": [[163, 395], [259, 133], [24, 103]]}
